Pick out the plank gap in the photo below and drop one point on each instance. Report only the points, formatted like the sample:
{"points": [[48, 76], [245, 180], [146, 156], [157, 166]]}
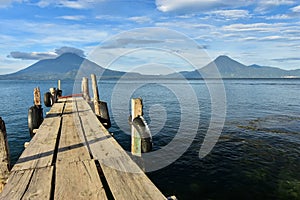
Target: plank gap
{"points": [[52, 191], [57, 143], [104, 181], [28, 184]]}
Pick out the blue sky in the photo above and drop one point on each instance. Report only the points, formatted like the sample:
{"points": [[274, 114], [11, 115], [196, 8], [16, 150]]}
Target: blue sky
{"points": [[262, 32]]}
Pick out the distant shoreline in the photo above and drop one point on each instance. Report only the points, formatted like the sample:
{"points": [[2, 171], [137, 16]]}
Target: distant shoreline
{"points": [[2, 77]]}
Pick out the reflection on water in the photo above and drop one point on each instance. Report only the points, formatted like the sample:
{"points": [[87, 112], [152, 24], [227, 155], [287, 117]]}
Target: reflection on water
{"points": [[256, 157]]}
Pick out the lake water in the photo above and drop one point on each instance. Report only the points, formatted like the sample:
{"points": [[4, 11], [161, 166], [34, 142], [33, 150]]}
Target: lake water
{"points": [[257, 155]]}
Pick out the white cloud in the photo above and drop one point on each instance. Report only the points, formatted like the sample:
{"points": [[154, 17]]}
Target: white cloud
{"points": [[272, 38], [75, 4], [197, 5], [140, 19], [109, 17], [264, 5], [72, 17], [283, 16], [194, 6], [296, 9], [261, 27], [186, 25], [65, 49], [276, 2], [231, 14]]}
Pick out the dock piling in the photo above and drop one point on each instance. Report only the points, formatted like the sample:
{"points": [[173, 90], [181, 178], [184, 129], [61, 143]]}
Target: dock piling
{"points": [[35, 112], [4, 155], [58, 85], [37, 96], [59, 91], [85, 89], [136, 110], [96, 94]]}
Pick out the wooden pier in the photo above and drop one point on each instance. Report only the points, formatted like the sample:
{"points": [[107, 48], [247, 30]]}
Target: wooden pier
{"points": [[72, 156]]}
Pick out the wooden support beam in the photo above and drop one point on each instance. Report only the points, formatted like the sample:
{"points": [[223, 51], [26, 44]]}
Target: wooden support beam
{"points": [[96, 94], [85, 89], [136, 110], [4, 155], [37, 96]]}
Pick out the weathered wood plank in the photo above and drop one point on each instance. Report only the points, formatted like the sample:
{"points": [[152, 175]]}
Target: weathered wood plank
{"points": [[28, 184], [16, 185], [124, 177], [40, 184], [78, 180], [71, 146], [39, 152], [127, 184]]}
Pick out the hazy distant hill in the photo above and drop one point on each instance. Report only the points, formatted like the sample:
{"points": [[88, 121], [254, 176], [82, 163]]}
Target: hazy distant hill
{"points": [[230, 68], [68, 65], [65, 66]]}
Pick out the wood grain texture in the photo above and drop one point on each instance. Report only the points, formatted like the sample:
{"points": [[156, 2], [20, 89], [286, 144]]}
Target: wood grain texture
{"points": [[124, 177], [40, 185], [16, 185], [74, 174], [78, 180], [71, 144], [39, 152]]}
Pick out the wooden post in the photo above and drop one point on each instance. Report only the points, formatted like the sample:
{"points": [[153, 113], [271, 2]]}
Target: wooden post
{"points": [[85, 89], [136, 110], [96, 94], [37, 96], [58, 85], [4, 155]]}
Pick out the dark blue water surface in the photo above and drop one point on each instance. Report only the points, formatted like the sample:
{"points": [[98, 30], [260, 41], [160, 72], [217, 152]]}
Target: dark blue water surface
{"points": [[257, 155]]}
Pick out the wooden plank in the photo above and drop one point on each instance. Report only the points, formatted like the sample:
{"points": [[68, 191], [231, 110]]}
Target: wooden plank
{"points": [[40, 184], [16, 185], [78, 180], [131, 185], [124, 177], [76, 174], [39, 152], [28, 184], [71, 145]]}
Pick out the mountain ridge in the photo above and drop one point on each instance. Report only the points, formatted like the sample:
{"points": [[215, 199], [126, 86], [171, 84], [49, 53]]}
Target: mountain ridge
{"points": [[70, 66], [229, 68]]}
